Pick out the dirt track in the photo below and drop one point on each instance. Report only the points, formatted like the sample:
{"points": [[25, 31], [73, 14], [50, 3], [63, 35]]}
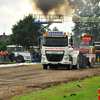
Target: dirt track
{"points": [[25, 79]]}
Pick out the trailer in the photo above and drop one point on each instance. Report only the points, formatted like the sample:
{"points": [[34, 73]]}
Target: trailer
{"points": [[87, 51]]}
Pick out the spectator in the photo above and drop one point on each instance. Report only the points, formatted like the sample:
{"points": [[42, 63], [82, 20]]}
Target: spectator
{"points": [[37, 54], [11, 56], [7, 56], [4, 54], [1, 56], [97, 55], [39, 57]]}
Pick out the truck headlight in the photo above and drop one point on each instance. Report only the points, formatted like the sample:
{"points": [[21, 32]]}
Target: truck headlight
{"points": [[66, 58], [43, 59]]}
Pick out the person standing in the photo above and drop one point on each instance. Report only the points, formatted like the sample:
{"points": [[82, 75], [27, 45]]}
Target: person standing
{"points": [[97, 55], [36, 56], [39, 57]]}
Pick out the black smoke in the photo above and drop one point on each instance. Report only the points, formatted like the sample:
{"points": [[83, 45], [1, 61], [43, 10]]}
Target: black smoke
{"points": [[51, 5]]}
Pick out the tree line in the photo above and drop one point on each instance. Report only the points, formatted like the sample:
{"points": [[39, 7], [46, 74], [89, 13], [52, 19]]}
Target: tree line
{"points": [[86, 8], [24, 32]]}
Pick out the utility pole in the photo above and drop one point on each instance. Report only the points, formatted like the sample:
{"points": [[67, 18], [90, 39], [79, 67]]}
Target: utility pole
{"points": [[4, 28]]}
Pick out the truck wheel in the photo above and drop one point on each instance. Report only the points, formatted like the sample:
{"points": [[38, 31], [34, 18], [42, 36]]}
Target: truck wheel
{"points": [[91, 65], [80, 60], [19, 59], [77, 65], [44, 66]]}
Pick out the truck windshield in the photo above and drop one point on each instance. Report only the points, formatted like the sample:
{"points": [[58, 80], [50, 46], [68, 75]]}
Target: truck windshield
{"points": [[55, 41]]}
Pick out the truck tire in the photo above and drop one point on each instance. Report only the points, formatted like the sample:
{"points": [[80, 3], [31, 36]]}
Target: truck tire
{"points": [[45, 66], [91, 64], [81, 60], [77, 65], [19, 59]]}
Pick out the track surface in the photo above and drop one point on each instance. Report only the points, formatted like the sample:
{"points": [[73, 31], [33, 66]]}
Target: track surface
{"points": [[24, 79]]}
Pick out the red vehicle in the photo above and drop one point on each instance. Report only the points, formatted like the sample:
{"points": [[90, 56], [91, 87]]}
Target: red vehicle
{"points": [[86, 51]]}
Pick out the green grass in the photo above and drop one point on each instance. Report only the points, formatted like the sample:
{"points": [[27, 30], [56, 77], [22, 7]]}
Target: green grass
{"points": [[15, 62], [28, 61], [8, 62], [89, 91], [97, 63]]}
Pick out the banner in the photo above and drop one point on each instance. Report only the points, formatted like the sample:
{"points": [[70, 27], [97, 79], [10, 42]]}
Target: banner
{"points": [[86, 19]]}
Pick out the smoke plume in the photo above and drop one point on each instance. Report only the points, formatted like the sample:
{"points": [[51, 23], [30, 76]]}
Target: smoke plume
{"points": [[48, 6]]}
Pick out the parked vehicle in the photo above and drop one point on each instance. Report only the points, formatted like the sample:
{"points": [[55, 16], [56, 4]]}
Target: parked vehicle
{"points": [[21, 54]]}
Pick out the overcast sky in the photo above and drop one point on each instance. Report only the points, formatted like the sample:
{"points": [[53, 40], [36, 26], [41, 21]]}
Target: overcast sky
{"points": [[12, 11]]}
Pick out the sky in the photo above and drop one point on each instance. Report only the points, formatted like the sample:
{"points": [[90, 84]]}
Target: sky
{"points": [[12, 11]]}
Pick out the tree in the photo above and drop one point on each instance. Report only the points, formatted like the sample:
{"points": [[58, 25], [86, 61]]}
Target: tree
{"points": [[55, 29], [86, 8], [2, 45], [8, 42], [25, 32]]}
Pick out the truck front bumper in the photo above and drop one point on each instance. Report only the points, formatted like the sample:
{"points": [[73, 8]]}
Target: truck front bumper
{"points": [[65, 61]]}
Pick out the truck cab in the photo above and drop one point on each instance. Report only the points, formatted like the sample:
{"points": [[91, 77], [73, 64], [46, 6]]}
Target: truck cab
{"points": [[56, 49]]}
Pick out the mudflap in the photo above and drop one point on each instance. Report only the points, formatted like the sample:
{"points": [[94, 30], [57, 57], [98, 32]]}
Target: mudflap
{"points": [[82, 60]]}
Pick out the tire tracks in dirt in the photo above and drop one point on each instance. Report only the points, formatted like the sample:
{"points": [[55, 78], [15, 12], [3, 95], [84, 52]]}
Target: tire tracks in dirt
{"points": [[19, 80]]}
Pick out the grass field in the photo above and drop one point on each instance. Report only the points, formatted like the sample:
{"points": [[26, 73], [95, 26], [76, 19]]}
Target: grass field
{"points": [[14, 62], [88, 91], [8, 62]]}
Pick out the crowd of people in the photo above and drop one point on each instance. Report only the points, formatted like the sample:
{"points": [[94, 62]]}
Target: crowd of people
{"points": [[7, 56]]}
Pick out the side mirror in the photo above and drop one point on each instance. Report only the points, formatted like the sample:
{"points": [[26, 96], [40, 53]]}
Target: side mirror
{"points": [[71, 41]]}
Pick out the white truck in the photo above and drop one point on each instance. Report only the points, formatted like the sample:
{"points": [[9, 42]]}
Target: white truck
{"points": [[57, 50]]}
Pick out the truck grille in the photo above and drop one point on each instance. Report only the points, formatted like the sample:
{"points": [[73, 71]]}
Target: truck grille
{"points": [[54, 57]]}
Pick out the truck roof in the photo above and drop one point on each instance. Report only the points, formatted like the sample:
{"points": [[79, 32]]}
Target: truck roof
{"points": [[14, 46]]}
